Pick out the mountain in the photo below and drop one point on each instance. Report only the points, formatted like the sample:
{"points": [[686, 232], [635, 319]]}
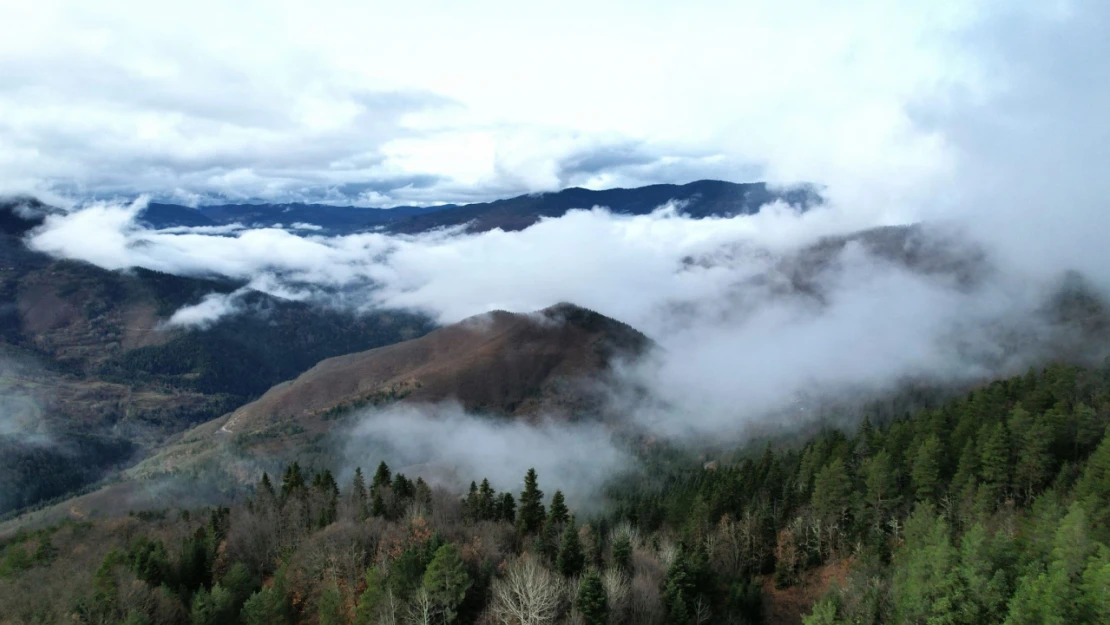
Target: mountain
{"points": [[495, 363], [703, 198], [328, 219], [498, 364], [92, 378]]}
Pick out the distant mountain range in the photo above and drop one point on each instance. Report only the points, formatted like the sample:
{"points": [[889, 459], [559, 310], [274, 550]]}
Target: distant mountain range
{"points": [[703, 198]]}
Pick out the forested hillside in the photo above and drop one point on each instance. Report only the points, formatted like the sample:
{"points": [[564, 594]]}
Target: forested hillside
{"points": [[992, 508]]}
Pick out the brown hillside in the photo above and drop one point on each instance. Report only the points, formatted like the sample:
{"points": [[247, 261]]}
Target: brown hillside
{"points": [[498, 362]]}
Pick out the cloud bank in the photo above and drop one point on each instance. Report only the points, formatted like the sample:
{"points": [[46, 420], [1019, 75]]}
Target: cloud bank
{"points": [[447, 446], [340, 102], [984, 120]]}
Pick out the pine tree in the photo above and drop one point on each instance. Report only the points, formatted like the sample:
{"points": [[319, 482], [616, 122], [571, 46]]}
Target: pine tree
{"points": [[402, 487], [265, 487], [926, 469], [547, 541], [925, 580], [622, 554], [994, 461], [331, 605], [382, 477], [678, 592], [558, 511], [531, 513], [832, 490], [1034, 459], [570, 559], [967, 469], [371, 598], [881, 484], [377, 505], [423, 494], [486, 511], [360, 502], [592, 602], [446, 581], [470, 503], [292, 481], [507, 508]]}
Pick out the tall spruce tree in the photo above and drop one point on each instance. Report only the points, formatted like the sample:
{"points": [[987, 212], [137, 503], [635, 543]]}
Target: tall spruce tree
{"points": [[530, 514], [558, 511], [592, 602], [382, 477], [359, 499], [570, 559]]}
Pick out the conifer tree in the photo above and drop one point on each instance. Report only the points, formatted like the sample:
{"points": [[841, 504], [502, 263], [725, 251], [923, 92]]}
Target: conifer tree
{"points": [[423, 494], [402, 487], [360, 502], [265, 486], [382, 477], [331, 605], [558, 511], [622, 554], [994, 461], [570, 559], [926, 469], [292, 481], [1034, 459], [377, 505], [531, 513], [486, 511], [547, 542], [446, 581], [507, 508], [592, 602], [470, 504], [831, 490]]}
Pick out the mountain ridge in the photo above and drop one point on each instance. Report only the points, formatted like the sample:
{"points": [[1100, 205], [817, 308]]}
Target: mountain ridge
{"points": [[701, 198]]}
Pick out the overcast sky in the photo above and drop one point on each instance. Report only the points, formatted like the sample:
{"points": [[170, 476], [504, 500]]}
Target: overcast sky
{"points": [[421, 102]]}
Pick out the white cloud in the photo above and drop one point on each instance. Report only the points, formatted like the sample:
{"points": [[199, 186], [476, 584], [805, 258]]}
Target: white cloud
{"points": [[285, 102], [210, 309], [439, 442]]}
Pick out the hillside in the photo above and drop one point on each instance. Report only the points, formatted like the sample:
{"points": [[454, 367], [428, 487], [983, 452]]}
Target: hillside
{"points": [[499, 363], [88, 366], [990, 508]]}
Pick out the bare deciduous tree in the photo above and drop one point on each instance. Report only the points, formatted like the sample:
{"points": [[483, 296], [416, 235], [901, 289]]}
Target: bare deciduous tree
{"points": [[617, 589], [529, 594], [421, 610]]}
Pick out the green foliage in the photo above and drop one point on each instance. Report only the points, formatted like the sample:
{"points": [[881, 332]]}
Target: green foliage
{"points": [[270, 605], [558, 512], [382, 477], [446, 581], [371, 598], [570, 559], [330, 608], [926, 469], [212, 607], [622, 554], [530, 515], [832, 490], [592, 601]]}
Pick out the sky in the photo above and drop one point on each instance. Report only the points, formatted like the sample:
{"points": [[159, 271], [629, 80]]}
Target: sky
{"points": [[427, 102]]}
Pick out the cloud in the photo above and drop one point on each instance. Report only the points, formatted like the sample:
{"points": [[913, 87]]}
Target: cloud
{"points": [[209, 310], [288, 103], [448, 446]]}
